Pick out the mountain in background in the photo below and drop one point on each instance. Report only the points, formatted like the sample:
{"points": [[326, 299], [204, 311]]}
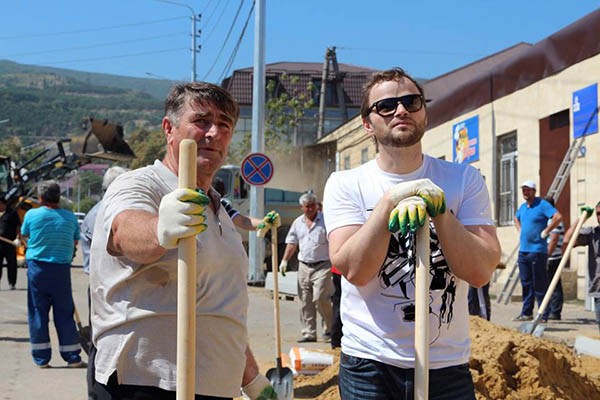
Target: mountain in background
{"points": [[45, 102]]}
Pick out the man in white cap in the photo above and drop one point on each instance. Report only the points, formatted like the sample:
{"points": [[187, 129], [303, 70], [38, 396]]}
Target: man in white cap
{"points": [[532, 222]]}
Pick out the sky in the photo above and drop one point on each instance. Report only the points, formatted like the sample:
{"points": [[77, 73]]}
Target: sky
{"points": [[152, 38]]}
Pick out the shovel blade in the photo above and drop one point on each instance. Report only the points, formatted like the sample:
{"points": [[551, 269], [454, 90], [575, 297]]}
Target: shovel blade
{"points": [[282, 380], [85, 338], [532, 329]]}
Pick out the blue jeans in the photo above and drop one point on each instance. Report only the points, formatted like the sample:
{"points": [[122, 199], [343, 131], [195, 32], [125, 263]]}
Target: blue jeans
{"points": [[362, 379], [49, 286], [534, 280]]}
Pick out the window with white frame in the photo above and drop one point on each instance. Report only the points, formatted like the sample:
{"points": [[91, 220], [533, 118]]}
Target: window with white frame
{"points": [[506, 190]]}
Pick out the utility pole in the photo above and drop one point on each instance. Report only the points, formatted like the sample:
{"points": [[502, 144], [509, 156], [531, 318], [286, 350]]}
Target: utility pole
{"points": [[257, 194], [331, 73], [194, 33]]}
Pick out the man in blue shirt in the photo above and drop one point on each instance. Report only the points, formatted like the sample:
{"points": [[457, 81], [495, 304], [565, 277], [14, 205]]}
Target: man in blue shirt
{"points": [[532, 222], [51, 234]]}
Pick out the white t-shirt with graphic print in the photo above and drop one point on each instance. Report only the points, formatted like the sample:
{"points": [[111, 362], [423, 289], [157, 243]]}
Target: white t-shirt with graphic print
{"points": [[378, 318]]}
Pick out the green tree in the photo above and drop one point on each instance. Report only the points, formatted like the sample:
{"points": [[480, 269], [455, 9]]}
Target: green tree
{"points": [[86, 204], [90, 184], [147, 146], [10, 146], [283, 112]]}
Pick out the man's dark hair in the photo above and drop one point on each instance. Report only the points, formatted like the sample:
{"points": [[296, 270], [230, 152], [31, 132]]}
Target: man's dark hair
{"points": [[200, 93], [51, 194], [394, 74]]}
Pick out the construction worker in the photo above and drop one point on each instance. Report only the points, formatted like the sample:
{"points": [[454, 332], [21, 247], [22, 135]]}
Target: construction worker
{"points": [[9, 230], [51, 233], [531, 221]]}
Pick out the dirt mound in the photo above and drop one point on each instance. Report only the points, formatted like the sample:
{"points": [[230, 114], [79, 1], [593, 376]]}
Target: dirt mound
{"points": [[505, 364]]}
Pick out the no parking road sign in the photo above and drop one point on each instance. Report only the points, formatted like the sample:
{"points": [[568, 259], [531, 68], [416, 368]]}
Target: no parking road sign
{"points": [[257, 169]]}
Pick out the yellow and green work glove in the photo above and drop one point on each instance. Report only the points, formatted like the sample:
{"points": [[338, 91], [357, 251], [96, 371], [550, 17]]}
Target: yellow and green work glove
{"points": [[587, 210], [414, 200], [409, 215], [271, 220], [181, 215]]}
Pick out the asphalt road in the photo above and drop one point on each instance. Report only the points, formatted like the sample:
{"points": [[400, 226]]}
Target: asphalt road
{"points": [[20, 379]]}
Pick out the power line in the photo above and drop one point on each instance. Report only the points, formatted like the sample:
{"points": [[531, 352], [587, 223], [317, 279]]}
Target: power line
{"points": [[36, 35], [226, 39], [210, 16], [108, 58], [237, 46], [106, 44]]}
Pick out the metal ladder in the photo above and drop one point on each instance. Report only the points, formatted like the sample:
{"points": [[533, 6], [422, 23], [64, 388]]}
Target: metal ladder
{"points": [[560, 179], [556, 188]]}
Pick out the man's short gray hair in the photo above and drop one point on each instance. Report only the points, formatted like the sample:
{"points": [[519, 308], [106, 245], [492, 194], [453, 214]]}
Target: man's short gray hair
{"points": [[111, 174], [308, 198]]}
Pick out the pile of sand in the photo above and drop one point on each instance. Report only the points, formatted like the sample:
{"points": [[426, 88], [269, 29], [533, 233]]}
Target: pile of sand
{"points": [[505, 364]]}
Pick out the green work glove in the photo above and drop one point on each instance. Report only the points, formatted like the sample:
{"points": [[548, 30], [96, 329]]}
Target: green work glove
{"points": [[260, 389], [283, 267], [181, 215], [271, 220], [409, 215], [588, 211], [267, 394], [432, 194]]}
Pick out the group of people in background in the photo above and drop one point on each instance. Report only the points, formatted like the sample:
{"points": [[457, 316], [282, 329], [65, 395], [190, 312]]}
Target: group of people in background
{"points": [[356, 260], [543, 241]]}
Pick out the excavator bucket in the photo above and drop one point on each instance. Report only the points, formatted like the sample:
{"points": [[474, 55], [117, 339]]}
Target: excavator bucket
{"points": [[104, 140]]}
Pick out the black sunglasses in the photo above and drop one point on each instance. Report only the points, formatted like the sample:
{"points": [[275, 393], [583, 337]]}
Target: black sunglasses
{"points": [[386, 107]]}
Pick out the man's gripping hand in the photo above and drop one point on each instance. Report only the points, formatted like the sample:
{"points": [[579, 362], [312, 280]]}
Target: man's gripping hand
{"points": [[271, 220], [181, 215], [409, 215], [260, 389], [432, 194]]}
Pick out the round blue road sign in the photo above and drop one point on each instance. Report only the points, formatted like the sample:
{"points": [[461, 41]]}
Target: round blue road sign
{"points": [[257, 169]]}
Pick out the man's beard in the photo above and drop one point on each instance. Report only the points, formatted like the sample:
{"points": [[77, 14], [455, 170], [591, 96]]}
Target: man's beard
{"points": [[402, 139]]}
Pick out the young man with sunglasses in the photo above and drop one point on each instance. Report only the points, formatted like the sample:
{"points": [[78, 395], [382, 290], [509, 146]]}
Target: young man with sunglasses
{"points": [[371, 214], [590, 236]]}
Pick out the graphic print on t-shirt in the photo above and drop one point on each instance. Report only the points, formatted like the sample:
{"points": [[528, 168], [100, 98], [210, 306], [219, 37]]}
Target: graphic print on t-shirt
{"points": [[397, 279]]}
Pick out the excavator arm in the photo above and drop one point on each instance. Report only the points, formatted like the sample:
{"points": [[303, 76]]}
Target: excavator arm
{"points": [[103, 140]]}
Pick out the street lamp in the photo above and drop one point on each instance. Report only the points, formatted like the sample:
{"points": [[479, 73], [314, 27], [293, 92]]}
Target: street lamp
{"points": [[193, 32]]}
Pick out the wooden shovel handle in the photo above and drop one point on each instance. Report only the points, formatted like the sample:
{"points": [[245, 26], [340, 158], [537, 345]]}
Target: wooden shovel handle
{"points": [[275, 265], [557, 273], [422, 313], [186, 286]]}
